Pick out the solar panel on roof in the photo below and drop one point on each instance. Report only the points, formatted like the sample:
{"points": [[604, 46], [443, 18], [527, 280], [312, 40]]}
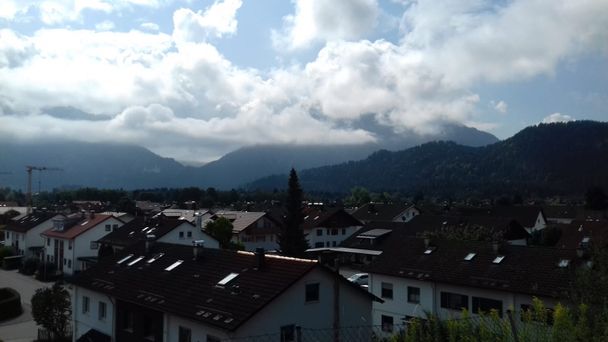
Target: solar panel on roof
{"points": [[156, 257]]}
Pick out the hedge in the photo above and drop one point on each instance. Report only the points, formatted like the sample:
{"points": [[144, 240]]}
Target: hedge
{"points": [[10, 303]]}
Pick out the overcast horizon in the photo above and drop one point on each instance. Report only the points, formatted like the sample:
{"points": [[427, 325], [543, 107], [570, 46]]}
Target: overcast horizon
{"points": [[193, 80]]}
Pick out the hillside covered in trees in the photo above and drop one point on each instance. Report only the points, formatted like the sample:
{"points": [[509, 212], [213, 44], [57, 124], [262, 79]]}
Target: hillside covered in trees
{"points": [[547, 159]]}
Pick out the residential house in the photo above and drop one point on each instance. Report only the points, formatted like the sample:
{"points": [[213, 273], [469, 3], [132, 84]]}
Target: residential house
{"points": [[168, 292], [583, 233], [159, 228], [386, 212], [24, 234], [71, 242], [532, 218], [415, 277], [328, 227], [253, 229]]}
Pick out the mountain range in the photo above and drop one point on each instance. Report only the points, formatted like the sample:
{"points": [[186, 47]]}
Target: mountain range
{"points": [[548, 159], [113, 166]]}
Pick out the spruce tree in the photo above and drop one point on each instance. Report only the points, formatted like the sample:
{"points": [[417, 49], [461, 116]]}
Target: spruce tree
{"points": [[291, 239]]}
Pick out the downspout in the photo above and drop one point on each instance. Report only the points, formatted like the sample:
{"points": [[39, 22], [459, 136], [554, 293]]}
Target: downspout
{"points": [[337, 302]]}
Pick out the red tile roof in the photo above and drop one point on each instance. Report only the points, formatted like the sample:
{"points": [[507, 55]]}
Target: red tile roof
{"points": [[80, 227]]}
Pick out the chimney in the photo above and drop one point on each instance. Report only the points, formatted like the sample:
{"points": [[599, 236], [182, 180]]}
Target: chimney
{"points": [[198, 220], [260, 258], [197, 249], [150, 238], [495, 247]]}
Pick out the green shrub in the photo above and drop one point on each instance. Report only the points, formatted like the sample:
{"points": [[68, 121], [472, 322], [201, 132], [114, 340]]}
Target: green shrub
{"points": [[29, 266], [10, 303], [46, 271], [6, 251]]}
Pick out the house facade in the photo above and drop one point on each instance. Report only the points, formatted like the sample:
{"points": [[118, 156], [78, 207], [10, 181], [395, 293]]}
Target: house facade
{"points": [[73, 239], [252, 229], [445, 277], [328, 228], [168, 292], [24, 234]]}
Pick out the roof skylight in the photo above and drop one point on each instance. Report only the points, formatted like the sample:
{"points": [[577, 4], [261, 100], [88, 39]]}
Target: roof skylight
{"points": [[429, 250], [124, 259], [470, 256], [563, 263], [498, 259], [227, 279], [156, 257], [174, 265], [84, 223], [135, 261]]}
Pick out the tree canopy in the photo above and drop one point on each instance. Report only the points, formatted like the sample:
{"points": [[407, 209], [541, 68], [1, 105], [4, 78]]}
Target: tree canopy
{"points": [[221, 230], [291, 238], [51, 309]]}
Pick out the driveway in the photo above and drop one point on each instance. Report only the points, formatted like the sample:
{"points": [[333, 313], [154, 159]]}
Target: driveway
{"points": [[22, 328]]}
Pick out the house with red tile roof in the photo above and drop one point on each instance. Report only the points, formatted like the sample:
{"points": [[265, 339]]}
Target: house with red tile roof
{"points": [[72, 240]]}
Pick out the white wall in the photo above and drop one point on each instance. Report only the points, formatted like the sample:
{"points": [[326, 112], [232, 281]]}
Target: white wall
{"points": [[430, 298], [329, 240], [85, 321], [30, 239], [291, 308], [199, 331], [197, 234]]}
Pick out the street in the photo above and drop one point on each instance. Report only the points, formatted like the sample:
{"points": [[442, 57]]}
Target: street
{"points": [[22, 328]]}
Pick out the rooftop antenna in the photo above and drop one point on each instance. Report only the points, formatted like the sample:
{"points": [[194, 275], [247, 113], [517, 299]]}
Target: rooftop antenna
{"points": [[29, 169]]}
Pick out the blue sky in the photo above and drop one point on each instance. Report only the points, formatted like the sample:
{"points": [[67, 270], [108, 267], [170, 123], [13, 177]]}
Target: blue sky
{"points": [[196, 79]]}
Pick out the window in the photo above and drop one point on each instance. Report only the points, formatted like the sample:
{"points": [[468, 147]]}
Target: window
{"points": [[288, 333], [128, 320], [334, 244], [108, 227], [312, 292], [181, 235], [65, 261], [148, 331], [260, 238], [387, 323], [114, 226], [213, 339], [70, 263], [101, 310], [70, 244], [387, 291], [485, 305], [8, 235], [327, 244], [189, 234], [334, 231], [319, 244], [185, 334], [343, 231], [454, 301], [319, 232], [48, 242], [85, 304], [413, 294], [94, 245]]}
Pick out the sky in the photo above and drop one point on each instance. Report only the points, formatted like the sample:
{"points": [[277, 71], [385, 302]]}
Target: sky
{"points": [[193, 80]]}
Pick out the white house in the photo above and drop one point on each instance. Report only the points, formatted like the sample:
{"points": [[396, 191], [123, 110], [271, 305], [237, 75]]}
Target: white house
{"points": [[72, 240], [160, 229], [168, 292], [328, 227], [24, 234], [386, 212], [443, 277], [254, 229]]}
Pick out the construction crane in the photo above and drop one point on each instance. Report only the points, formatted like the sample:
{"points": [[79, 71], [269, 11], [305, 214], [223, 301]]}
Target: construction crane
{"points": [[29, 170]]}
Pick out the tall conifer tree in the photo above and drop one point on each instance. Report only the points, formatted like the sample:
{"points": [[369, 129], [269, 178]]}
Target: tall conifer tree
{"points": [[291, 239]]}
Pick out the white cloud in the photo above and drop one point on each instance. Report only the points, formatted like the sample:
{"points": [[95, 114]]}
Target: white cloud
{"points": [[149, 26], [500, 106], [165, 91], [320, 20], [557, 117], [105, 25], [217, 20]]}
